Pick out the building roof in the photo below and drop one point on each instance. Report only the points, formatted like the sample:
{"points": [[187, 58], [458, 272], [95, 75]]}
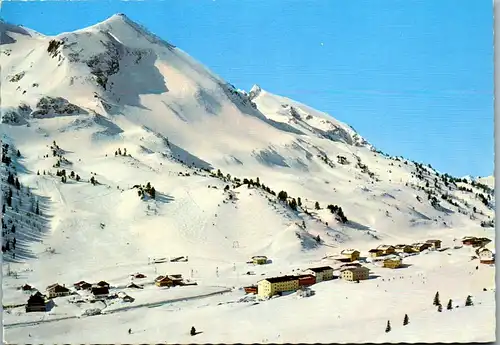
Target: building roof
{"points": [[401, 246], [353, 269], [304, 276], [432, 241], [374, 250], [100, 290], [281, 279], [385, 246], [36, 298], [320, 269], [259, 257], [348, 251], [351, 264], [57, 288], [484, 249]]}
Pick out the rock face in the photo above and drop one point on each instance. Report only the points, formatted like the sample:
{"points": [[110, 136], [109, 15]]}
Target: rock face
{"points": [[16, 116], [53, 106]]}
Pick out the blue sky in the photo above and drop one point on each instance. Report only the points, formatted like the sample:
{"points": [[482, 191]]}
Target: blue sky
{"points": [[413, 77]]}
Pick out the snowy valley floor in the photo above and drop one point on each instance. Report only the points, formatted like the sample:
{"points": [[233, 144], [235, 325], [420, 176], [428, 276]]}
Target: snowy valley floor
{"points": [[340, 311]]}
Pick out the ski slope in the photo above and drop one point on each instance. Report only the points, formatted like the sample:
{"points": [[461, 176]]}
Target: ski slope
{"points": [[195, 138]]}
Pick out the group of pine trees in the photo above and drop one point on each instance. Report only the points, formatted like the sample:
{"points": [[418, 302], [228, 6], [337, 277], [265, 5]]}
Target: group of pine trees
{"points": [[64, 178], [9, 244], [406, 321], [13, 181], [146, 189], [437, 302], [120, 153], [293, 203]]}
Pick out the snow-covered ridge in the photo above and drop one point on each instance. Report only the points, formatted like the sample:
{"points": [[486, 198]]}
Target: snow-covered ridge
{"points": [[118, 137]]}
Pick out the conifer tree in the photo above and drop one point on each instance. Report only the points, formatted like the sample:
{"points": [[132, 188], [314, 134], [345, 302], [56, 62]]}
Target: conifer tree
{"points": [[316, 205], [449, 306], [406, 320], [468, 301], [436, 299], [440, 308], [388, 327]]}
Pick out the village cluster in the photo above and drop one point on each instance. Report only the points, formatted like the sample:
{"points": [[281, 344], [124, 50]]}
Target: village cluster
{"points": [[350, 269], [87, 292], [387, 256]]}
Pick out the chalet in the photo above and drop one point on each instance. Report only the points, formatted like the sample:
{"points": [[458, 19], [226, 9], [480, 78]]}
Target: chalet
{"points": [[169, 280], [403, 248], [486, 256], [138, 276], [37, 302], [393, 262], [56, 290], [435, 244], [475, 242], [481, 242], [374, 253], [134, 286], [420, 247], [127, 298], [386, 249], [251, 289], [259, 260], [27, 288], [351, 254], [102, 283], [355, 273], [306, 279], [82, 285], [277, 285], [468, 240], [321, 273], [99, 292]]}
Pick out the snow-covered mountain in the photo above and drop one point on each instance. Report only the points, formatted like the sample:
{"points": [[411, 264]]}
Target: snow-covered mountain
{"points": [[126, 149]]}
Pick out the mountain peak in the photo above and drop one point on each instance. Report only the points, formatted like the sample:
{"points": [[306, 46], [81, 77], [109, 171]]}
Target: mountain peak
{"points": [[120, 24], [8, 32]]}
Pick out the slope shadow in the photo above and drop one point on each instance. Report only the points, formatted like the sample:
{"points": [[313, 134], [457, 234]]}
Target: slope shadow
{"points": [[111, 129], [211, 105], [6, 28], [373, 276], [179, 154], [137, 69], [164, 198], [270, 157], [18, 167], [357, 226], [29, 227], [187, 158], [245, 107]]}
